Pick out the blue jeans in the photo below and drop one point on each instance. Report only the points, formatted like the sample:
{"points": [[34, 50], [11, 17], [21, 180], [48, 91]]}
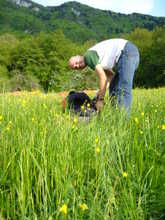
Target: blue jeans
{"points": [[120, 88]]}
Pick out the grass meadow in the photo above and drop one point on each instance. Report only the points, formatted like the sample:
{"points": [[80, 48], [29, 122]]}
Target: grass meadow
{"points": [[53, 166]]}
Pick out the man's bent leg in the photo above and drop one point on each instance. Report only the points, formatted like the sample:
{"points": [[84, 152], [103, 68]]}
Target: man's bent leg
{"points": [[113, 89]]}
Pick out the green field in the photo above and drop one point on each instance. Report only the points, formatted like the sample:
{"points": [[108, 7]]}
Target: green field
{"points": [[53, 166]]}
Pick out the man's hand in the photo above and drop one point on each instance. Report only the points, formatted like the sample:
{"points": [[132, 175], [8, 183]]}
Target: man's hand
{"points": [[99, 105]]}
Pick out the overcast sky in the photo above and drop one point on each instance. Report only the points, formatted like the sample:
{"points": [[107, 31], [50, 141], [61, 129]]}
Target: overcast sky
{"points": [[152, 7]]}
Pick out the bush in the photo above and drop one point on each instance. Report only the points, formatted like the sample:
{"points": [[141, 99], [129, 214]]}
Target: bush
{"points": [[21, 82], [4, 80]]}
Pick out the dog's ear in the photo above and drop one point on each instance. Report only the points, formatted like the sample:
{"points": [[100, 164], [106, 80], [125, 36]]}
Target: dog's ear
{"points": [[72, 92]]}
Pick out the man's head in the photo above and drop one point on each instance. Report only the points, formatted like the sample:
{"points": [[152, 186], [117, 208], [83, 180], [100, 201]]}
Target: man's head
{"points": [[77, 62]]}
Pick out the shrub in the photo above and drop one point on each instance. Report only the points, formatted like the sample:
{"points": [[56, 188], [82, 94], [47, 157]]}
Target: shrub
{"points": [[21, 82]]}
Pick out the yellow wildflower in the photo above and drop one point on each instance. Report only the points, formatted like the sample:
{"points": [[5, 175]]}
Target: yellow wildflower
{"points": [[1, 117], [125, 174], [88, 105], [82, 107], [163, 127], [23, 103], [75, 120], [136, 120], [84, 207], [98, 150], [97, 140], [63, 209], [142, 114]]}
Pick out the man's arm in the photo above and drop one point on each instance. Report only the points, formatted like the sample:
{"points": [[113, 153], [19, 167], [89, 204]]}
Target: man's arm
{"points": [[109, 74], [103, 80]]}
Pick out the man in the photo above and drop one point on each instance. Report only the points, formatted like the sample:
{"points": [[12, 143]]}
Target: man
{"points": [[102, 57]]}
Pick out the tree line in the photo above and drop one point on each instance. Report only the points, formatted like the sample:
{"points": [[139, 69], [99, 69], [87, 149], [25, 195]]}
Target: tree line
{"points": [[41, 61]]}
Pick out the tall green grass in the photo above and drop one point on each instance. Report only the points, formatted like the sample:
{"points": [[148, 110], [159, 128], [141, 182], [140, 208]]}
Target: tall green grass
{"points": [[53, 166]]}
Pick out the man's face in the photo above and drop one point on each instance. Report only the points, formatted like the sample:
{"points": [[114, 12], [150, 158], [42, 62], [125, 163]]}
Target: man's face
{"points": [[77, 62]]}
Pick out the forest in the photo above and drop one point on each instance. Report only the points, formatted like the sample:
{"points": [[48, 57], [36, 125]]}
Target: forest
{"points": [[40, 61]]}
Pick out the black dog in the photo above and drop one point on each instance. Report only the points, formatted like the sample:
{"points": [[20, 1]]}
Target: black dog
{"points": [[81, 103]]}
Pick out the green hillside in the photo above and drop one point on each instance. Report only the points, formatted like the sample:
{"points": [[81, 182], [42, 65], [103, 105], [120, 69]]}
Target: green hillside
{"points": [[100, 24], [36, 43], [79, 22]]}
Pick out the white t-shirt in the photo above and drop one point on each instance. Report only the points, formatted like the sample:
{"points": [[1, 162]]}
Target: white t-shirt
{"points": [[109, 51]]}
